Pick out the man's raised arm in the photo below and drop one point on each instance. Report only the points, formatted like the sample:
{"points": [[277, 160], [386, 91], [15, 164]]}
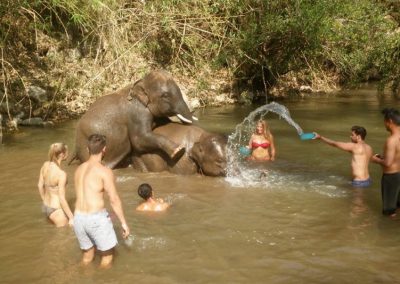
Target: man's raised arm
{"points": [[345, 146]]}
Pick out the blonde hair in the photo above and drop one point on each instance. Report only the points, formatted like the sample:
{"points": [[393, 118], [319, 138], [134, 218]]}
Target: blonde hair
{"points": [[267, 133], [56, 149]]}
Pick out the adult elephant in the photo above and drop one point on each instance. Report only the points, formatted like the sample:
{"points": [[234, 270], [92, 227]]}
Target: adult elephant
{"points": [[205, 152], [126, 118]]}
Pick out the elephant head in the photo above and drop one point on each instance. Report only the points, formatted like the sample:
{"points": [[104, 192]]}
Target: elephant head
{"points": [[162, 96], [205, 152], [209, 153]]}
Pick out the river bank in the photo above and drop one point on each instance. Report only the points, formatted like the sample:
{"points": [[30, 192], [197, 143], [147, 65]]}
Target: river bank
{"points": [[57, 57]]}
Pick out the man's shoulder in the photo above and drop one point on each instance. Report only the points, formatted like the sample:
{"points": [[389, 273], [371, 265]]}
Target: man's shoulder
{"points": [[96, 168], [104, 169], [142, 207], [394, 138], [367, 146]]}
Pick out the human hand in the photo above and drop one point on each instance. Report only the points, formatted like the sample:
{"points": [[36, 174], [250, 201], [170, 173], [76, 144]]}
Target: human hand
{"points": [[316, 136], [377, 158], [125, 231], [71, 222]]}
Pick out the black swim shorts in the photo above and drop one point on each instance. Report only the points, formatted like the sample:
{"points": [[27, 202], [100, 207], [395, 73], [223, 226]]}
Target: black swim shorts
{"points": [[390, 187]]}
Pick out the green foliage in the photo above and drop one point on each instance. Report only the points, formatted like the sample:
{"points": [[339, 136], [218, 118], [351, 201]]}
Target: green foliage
{"points": [[256, 40], [341, 38], [328, 35]]}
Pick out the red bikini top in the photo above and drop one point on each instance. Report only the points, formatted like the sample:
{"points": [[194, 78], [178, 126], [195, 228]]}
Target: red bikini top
{"points": [[264, 145]]}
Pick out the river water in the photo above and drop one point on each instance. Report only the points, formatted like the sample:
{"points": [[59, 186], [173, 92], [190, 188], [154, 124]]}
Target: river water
{"points": [[300, 223]]}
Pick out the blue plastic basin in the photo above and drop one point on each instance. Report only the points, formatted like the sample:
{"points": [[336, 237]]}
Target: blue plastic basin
{"points": [[307, 136], [245, 151]]}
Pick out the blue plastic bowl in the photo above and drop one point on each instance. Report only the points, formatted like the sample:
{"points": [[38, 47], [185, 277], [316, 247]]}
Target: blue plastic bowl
{"points": [[307, 136], [245, 151]]}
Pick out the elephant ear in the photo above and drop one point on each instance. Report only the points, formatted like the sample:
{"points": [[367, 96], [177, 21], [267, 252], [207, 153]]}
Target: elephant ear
{"points": [[197, 152], [137, 91]]}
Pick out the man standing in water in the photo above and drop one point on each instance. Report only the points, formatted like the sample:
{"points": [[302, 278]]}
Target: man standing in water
{"points": [[361, 154], [390, 162], [92, 224]]}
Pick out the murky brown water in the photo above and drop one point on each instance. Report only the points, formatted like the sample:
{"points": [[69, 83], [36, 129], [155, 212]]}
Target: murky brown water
{"points": [[302, 224]]}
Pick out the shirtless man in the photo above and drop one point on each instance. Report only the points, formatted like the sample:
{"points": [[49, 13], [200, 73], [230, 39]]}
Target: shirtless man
{"points": [[361, 154], [92, 224], [145, 191], [390, 162]]}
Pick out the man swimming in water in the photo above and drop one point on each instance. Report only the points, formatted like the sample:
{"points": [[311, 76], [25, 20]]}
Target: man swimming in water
{"points": [[92, 223], [145, 191], [390, 162], [361, 154]]}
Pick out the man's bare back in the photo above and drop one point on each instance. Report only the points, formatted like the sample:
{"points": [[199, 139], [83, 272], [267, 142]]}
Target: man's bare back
{"points": [[153, 205], [150, 203], [361, 155], [90, 178], [93, 226]]}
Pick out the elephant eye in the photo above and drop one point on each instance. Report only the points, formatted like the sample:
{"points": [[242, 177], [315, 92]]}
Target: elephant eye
{"points": [[165, 95]]}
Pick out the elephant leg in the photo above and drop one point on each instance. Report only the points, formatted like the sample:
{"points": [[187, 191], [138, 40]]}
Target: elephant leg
{"points": [[116, 151], [112, 164], [81, 150], [149, 142], [138, 164]]}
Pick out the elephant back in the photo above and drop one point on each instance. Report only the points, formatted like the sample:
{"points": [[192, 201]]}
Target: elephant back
{"points": [[181, 133], [110, 105]]}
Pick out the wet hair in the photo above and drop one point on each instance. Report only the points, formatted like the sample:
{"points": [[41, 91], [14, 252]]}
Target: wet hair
{"points": [[96, 143], [267, 133], [145, 191], [56, 149], [391, 114], [359, 130]]}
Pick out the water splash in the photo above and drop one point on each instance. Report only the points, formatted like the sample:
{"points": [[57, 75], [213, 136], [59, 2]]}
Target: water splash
{"points": [[279, 175], [243, 131], [262, 111]]}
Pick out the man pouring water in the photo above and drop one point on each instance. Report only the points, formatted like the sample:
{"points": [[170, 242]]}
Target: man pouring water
{"points": [[361, 154]]}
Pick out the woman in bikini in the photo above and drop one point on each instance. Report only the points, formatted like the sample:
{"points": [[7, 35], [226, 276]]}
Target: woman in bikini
{"points": [[262, 143], [52, 182]]}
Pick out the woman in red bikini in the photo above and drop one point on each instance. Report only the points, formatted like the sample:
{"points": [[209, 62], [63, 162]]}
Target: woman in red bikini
{"points": [[262, 143], [52, 182]]}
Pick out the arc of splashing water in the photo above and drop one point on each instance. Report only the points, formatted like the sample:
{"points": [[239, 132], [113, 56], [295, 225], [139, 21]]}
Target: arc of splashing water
{"points": [[235, 139], [279, 109]]}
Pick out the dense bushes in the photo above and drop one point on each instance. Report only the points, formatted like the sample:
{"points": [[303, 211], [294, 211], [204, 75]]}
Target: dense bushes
{"points": [[261, 45], [321, 43]]}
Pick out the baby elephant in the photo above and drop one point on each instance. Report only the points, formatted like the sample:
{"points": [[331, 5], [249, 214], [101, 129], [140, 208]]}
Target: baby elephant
{"points": [[205, 152]]}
